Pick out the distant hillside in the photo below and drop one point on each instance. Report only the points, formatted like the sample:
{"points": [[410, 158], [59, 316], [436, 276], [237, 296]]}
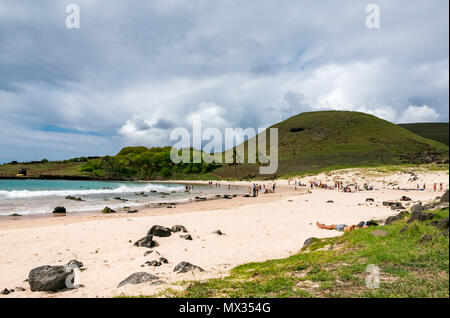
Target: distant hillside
{"points": [[316, 140], [435, 131], [307, 142]]}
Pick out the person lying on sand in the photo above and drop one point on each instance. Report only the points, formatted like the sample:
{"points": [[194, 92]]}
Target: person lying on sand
{"points": [[343, 227]]}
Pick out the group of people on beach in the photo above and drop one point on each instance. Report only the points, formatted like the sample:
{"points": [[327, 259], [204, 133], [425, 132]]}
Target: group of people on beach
{"points": [[255, 189]]}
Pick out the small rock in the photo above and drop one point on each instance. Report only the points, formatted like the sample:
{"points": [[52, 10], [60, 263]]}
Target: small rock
{"points": [[20, 289], [420, 216], [146, 241], [379, 233], [59, 209], [443, 224], [186, 237], [219, 232], [108, 210], [309, 241], [153, 263], [6, 291], [405, 198], [330, 201], [185, 267], [371, 200], [158, 230], [138, 278], [426, 237], [163, 260], [133, 211], [417, 208], [75, 264], [147, 253], [178, 228], [445, 197]]}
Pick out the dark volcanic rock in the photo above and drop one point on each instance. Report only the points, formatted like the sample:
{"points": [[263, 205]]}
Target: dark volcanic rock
{"points": [[443, 224], [146, 241], [153, 263], [394, 218], [330, 201], [444, 198], [219, 232], [417, 208], [48, 278], [405, 198], [426, 237], [370, 200], [421, 216], [59, 209], [309, 241], [185, 267], [158, 230], [138, 278], [74, 263], [147, 253], [397, 206], [6, 291], [163, 260], [108, 210], [178, 228], [186, 237]]}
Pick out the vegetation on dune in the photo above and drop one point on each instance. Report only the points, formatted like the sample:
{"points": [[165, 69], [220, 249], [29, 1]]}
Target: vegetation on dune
{"points": [[410, 266], [435, 131], [146, 163]]}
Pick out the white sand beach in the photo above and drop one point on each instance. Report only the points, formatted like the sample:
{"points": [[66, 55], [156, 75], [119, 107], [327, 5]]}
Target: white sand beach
{"points": [[267, 227]]}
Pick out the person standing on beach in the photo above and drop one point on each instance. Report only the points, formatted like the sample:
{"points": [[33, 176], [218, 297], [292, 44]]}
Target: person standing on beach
{"points": [[440, 187], [434, 187], [424, 186], [273, 187]]}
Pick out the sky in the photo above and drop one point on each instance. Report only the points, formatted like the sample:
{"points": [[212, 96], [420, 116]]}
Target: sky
{"points": [[135, 70]]}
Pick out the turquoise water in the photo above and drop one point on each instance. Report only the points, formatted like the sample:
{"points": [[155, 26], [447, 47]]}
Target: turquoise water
{"points": [[13, 188], [30, 196], [39, 185]]}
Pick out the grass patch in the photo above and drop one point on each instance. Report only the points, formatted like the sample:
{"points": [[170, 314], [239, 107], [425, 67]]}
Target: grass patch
{"points": [[336, 267]]}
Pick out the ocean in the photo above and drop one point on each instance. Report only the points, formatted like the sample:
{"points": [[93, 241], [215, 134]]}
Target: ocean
{"points": [[31, 196]]}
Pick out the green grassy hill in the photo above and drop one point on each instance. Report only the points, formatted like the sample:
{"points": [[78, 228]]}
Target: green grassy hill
{"points": [[435, 131], [308, 142], [318, 140]]}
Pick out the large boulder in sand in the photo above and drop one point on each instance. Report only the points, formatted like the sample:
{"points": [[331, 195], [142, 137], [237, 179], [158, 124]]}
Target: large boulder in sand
{"points": [[185, 267], [138, 278], [146, 241], [158, 230], [444, 198], [49, 278]]}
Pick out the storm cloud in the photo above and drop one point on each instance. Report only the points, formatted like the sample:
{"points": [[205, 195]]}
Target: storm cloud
{"points": [[134, 70]]}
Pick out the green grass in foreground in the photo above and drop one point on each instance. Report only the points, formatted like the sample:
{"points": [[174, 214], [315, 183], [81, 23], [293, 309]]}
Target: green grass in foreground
{"points": [[335, 267]]}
